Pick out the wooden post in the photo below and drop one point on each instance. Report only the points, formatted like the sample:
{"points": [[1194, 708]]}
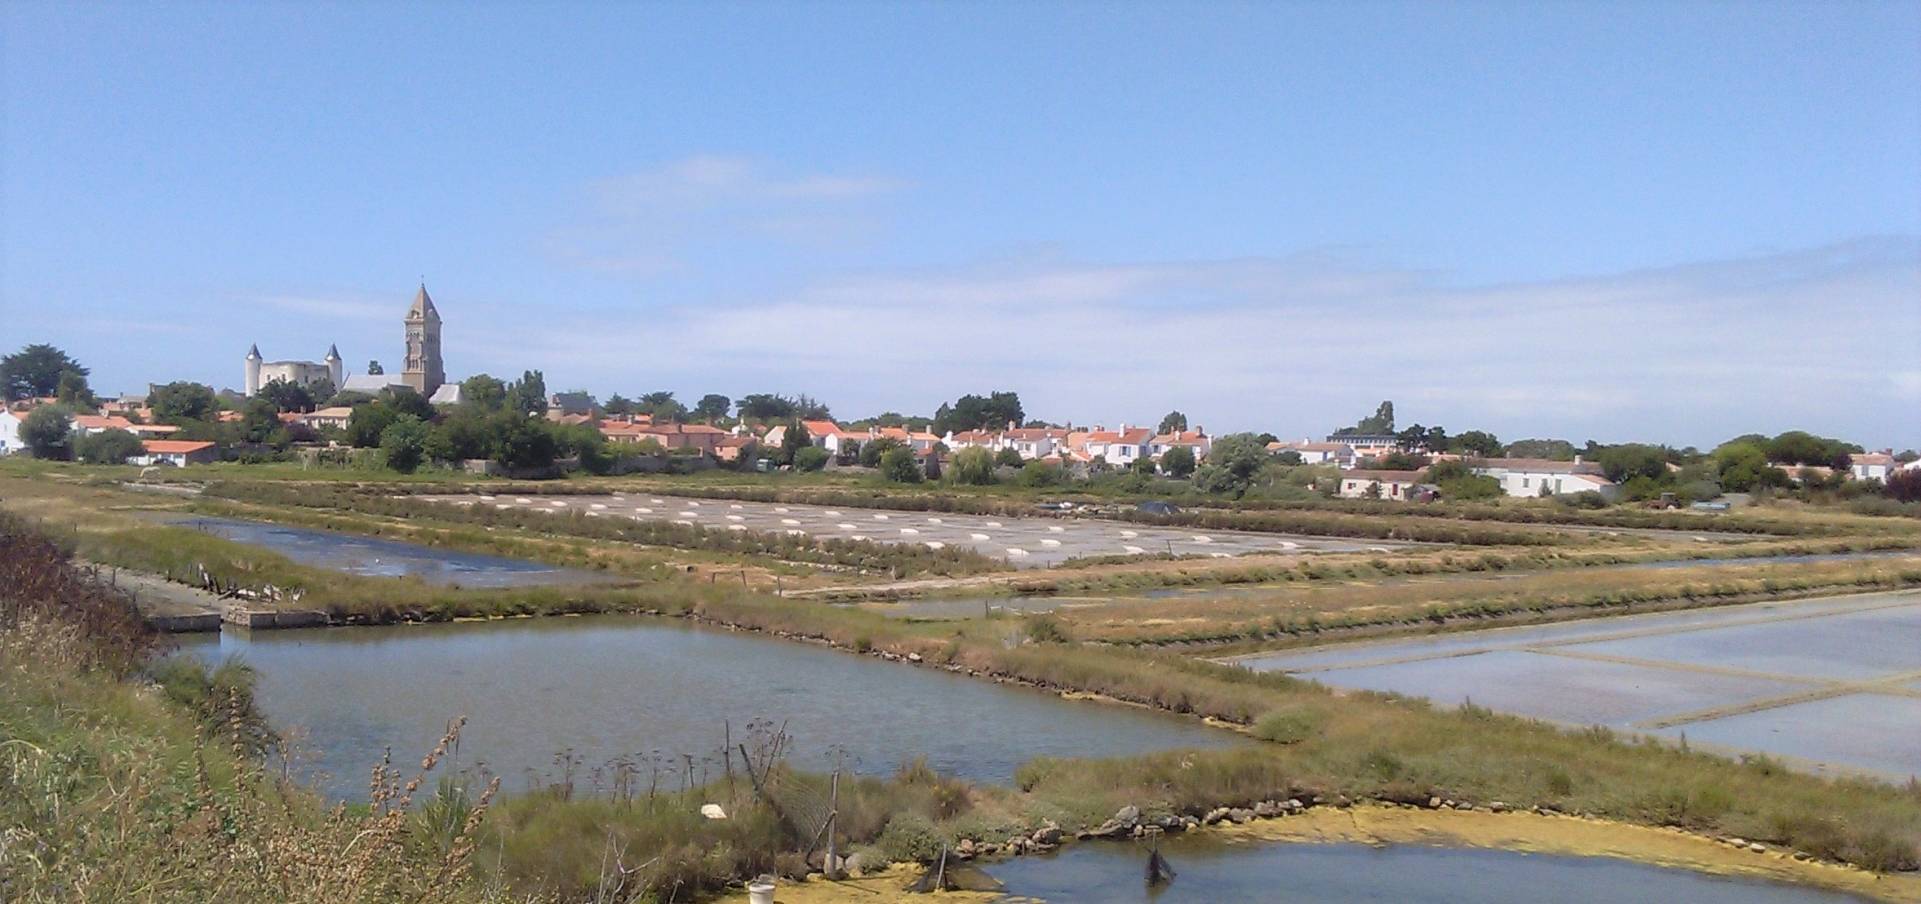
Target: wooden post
{"points": [[828, 866]]}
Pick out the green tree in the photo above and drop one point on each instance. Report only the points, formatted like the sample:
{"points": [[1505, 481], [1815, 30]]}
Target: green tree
{"points": [[35, 371], [1232, 464], [1799, 447], [712, 407], [792, 440], [898, 465], [1477, 443], [530, 394], [1174, 422], [585, 442], [974, 465], [322, 391], [1742, 466], [618, 405], [177, 403], [870, 454], [1550, 449], [287, 395], [1008, 457], [993, 411], [404, 400], [367, 423], [375, 370], [1378, 424], [74, 392], [48, 432], [1628, 460], [811, 458], [483, 392], [404, 443], [1178, 461], [1039, 473], [260, 423], [766, 406], [1289, 457], [108, 447], [523, 442]]}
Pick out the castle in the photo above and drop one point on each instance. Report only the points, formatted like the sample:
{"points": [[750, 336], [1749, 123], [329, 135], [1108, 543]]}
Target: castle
{"points": [[299, 373], [422, 370]]}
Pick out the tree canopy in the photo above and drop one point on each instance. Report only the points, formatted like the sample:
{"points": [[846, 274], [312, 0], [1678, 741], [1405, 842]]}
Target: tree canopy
{"points": [[993, 411], [712, 407], [48, 432], [287, 395], [1178, 461], [1380, 423], [108, 447], [179, 402], [973, 465], [36, 371], [899, 465], [1174, 422]]}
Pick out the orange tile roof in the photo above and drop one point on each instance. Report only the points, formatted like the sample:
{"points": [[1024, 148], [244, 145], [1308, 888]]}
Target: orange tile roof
{"points": [[174, 446], [101, 422], [821, 428]]}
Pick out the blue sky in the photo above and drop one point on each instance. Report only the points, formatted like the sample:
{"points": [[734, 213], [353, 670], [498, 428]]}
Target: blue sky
{"points": [[1672, 222]]}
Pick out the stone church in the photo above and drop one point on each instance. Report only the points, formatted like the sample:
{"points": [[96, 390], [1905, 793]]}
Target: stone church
{"points": [[421, 369]]}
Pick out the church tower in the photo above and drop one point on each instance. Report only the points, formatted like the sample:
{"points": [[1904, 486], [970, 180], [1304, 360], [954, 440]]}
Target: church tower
{"points": [[423, 370]]}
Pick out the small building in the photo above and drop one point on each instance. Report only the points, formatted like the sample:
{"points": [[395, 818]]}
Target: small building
{"points": [[1340, 455], [1871, 465], [560, 404], [335, 417], [10, 431], [178, 453], [1532, 477], [1196, 441], [1398, 486], [91, 424]]}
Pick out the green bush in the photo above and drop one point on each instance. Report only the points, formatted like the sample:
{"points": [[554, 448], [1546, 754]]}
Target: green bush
{"points": [[974, 466], [899, 466], [1288, 726], [910, 837], [812, 458]]}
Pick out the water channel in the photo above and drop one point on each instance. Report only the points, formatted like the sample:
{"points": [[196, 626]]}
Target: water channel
{"points": [[618, 686], [377, 558], [1210, 870]]}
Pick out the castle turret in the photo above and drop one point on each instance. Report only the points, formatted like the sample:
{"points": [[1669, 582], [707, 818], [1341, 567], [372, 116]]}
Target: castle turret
{"points": [[335, 372], [253, 370]]}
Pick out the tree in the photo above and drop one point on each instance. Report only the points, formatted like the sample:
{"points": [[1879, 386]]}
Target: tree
{"points": [[177, 403], [972, 412], [1174, 422], [404, 400], [1903, 485], [1178, 461], [374, 369], [483, 393], [260, 423], [529, 394], [1550, 449], [35, 371], [899, 466], [108, 447], [1289, 457], [974, 465], [792, 440], [1402, 461], [811, 458], [404, 443], [1410, 440], [367, 423], [1628, 460], [765, 406], [1742, 465], [1142, 467], [1477, 443], [523, 442], [322, 391], [48, 432], [811, 409], [585, 443], [1235, 460], [1008, 457], [1038, 473], [871, 453], [1798, 447], [618, 405], [712, 407], [1380, 423], [287, 396], [73, 390]]}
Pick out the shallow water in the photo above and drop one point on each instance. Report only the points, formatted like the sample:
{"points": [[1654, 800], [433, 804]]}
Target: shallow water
{"points": [[617, 686], [378, 558], [1213, 871]]}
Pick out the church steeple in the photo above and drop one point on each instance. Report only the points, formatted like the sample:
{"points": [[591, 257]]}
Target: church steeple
{"points": [[423, 306], [423, 370]]}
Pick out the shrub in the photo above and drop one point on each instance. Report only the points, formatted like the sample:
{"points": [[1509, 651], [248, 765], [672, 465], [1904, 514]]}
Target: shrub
{"points": [[404, 442], [812, 458], [1008, 457], [898, 465], [910, 837], [1288, 726], [1178, 461], [1041, 474], [974, 466], [1045, 628], [108, 447]]}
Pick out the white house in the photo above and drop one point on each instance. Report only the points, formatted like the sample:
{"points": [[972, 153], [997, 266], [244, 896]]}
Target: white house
{"points": [[1338, 454], [1531, 477], [1399, 486], [178, 453], [1196, 441], [1871, 465], [10, 431], [1119, 447]]}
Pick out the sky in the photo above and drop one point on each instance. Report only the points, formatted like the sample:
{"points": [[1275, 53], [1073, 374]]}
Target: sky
{"points": [[1669, 222]]}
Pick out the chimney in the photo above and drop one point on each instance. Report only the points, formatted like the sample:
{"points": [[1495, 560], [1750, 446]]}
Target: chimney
{"points": [[1577, 458], [1010, 425]]}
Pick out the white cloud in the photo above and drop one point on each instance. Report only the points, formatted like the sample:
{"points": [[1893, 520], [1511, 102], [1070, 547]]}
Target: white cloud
{"points": [[1823, 339]]}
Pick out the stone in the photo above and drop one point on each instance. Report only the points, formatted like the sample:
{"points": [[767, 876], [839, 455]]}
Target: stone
{"points": [[1241, 814], [1295, 805], [1047, 834], [913, 657], [1434, 803], [1497, 807], [1129, 815], [1215, 815], [1758, 847], [712, 811], [1738, 842], [1267, 809]]}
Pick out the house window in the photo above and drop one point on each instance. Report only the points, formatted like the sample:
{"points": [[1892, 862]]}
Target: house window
{"points": [[1524, 482]]}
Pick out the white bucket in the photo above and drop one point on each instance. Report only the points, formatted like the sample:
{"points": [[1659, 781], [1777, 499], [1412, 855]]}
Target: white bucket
{"points": [[760, 891]]}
